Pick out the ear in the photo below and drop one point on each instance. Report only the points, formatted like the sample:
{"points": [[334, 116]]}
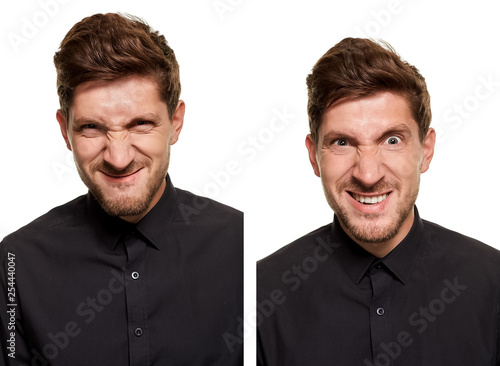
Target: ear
{"points": [[311, 148], [429, 142], [63, 125], [177, 121]]}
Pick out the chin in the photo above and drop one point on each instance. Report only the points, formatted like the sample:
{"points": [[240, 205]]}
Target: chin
{"points": [[125, 207], [374, 235]]}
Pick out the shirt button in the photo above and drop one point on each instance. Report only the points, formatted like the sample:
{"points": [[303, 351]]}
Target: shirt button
{"points": [[138, 332], [380, 311], [135, 275]]}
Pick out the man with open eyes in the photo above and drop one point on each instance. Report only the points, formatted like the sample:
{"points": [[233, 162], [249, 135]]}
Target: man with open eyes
{"points": [[136, 272], [380, 285]]}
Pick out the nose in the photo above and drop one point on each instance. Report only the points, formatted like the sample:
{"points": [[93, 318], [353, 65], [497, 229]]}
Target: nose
{"points": [[118, 152], [368, 168]]}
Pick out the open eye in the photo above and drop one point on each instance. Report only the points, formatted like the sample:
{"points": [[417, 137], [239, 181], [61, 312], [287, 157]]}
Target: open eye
{"points": [[393, 140], [341, 142]]}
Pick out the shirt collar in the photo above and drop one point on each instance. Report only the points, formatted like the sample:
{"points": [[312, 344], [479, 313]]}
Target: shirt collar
{"points": [[357, 261], [153, 226]]}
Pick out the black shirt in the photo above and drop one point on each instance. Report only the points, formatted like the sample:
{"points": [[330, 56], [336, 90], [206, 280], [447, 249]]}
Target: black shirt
{"points": [[85, 288], [434, 300]]}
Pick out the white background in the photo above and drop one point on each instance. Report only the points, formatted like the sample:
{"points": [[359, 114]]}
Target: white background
{"points": [[241, 61]]}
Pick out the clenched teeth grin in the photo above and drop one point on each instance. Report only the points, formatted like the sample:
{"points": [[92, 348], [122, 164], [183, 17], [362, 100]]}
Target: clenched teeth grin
{"points": [[369, 200]]}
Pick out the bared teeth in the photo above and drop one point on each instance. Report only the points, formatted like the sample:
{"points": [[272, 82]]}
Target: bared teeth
{"points": [[369, 200]]}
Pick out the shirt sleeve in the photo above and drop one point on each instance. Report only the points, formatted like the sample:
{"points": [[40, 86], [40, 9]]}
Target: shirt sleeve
{"points": [[14, 349], [498, 334], [260, 351]]}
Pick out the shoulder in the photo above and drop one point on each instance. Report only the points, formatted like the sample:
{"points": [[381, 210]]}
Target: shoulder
{"points": [[194, 208], [296, 251], [201, 223], [54, 218], [456, 244]]}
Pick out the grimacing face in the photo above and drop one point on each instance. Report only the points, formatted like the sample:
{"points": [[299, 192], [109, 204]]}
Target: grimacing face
{"points": [[369, 158], [120, 135]]}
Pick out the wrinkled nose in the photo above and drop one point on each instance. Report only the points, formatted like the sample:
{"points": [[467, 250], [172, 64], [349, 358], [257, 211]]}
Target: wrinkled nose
{"points": [[368, 168], [118, 153]]}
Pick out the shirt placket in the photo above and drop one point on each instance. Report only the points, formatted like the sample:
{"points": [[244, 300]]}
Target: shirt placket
{"points": [[135, 300], [380, 328]]}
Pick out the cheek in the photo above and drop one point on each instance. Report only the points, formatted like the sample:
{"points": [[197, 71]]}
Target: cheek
{"points": [[403, 166], [154, 146], [85, 150], [335, 167]]}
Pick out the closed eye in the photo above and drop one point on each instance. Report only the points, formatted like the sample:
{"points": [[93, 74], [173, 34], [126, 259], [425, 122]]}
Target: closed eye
{"points": [[143, 126], [91, 129]]}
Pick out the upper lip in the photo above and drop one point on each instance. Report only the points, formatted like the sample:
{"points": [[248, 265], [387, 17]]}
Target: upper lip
{"points": [[368, 194]]}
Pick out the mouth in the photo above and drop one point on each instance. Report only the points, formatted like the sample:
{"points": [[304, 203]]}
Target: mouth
{"points": [[371, 199], [121, 178]]}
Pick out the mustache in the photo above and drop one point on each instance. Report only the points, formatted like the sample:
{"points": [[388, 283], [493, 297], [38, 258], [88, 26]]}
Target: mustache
{"points": [[107, 168], [354, 185]]}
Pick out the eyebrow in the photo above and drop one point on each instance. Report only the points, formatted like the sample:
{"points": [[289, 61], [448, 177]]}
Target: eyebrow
{"points": [[149, 116], [401, 129]]}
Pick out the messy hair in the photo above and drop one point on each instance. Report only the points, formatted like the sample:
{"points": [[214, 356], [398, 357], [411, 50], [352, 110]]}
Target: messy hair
{"points": [[356, 68], [112, 46]]}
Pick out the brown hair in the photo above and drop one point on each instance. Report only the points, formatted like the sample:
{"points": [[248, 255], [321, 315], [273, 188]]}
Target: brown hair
{"points": [[111, 46], [360, 67]]}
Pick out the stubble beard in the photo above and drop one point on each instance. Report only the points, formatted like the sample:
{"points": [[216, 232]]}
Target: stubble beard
{"points": [[371, 232], [125, 205]]}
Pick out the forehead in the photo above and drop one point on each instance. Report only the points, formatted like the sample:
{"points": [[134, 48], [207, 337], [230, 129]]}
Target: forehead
{"points": [[121, 97], [366, 117]]}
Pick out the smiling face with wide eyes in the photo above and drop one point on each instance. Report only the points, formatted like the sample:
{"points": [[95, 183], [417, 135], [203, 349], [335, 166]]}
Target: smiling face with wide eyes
{"points": [[120, 133], [370, 157]]}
